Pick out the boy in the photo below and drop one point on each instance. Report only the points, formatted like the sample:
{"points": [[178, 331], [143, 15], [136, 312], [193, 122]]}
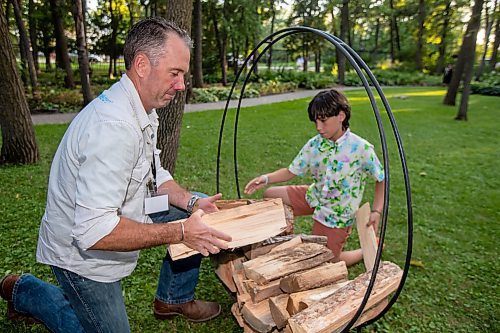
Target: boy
{"points": [[339, 162]]}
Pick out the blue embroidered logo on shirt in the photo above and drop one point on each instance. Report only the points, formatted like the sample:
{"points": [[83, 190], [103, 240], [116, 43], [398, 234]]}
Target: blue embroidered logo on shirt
{"points": [[104, 98]]}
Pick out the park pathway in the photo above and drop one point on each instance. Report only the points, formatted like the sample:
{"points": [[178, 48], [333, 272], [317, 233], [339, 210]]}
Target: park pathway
{"points": [[63, 118]]}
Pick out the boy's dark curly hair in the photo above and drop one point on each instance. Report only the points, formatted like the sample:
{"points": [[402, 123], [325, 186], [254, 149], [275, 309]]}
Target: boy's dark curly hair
{"points": [[329, 103]]}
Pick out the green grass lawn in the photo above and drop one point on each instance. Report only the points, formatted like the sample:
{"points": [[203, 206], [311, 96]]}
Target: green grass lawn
{"points": [[456, 199]]}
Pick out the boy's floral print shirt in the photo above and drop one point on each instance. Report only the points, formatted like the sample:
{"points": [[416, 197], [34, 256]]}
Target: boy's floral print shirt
{"points": [[339, 170]]}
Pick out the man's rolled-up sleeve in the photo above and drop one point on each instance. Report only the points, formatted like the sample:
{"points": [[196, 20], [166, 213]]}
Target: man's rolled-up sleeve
{"points": [[107, 154]]}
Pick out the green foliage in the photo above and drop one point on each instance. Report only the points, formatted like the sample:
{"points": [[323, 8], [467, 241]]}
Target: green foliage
{"points": [[215, 94], [395, 78], [201, 95], [274, 87], [455, 192], [488, 85]]}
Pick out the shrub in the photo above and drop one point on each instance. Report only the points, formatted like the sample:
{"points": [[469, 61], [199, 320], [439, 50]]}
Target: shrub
{"points": [[201, 95], [489, 84]]}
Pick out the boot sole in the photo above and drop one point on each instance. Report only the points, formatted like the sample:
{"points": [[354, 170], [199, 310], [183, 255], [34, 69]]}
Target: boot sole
{"points": [[172, 315]]}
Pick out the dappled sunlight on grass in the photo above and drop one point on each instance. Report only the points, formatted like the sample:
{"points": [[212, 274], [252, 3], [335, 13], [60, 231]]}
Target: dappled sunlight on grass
{"points": [[396, 93], [440, 92]]}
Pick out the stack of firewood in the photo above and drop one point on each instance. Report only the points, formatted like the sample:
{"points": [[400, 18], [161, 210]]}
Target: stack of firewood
{"points": [[295, 287], [291, 283]]}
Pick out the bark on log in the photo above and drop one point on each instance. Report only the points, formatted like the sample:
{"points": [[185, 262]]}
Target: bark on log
{"points": [[332, 313], [303, 299], [281, 263], [320, 276], [261, 292], [280, 315]]}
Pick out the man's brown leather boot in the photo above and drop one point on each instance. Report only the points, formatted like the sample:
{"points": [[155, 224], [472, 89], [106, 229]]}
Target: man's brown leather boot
{"points": [[6, 291], [195, 311]]}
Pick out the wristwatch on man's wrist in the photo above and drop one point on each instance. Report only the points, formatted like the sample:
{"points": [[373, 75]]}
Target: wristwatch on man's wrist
{"points": [[192, 203]]}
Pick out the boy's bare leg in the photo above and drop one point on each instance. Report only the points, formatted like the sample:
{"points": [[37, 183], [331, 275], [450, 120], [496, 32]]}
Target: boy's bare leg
{"points": [[351, 257], [278, 192]]}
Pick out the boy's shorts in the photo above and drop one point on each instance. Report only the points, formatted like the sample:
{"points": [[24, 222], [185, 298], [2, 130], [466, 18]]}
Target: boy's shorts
{"points": [[337, 237]]}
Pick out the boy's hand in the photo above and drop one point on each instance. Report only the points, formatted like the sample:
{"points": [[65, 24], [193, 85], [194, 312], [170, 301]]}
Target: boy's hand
{"points": [[256, 184], [374, 220]]}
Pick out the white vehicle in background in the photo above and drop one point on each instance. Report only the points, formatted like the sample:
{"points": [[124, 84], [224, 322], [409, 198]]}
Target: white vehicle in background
{"points": [[93, 58]]}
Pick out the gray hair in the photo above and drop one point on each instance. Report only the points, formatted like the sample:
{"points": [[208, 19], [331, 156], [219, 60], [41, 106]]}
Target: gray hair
{"points": [[149, 36]]}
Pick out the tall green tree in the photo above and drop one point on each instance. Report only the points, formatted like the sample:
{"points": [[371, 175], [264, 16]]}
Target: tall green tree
{"points": [[197, 63], [81, 45], [18, 136], [496, 42], [25, 47], [309, 13], [56, 8], [446, 16], [419, 54], [465, 62], [488, 26], [180, 12]]}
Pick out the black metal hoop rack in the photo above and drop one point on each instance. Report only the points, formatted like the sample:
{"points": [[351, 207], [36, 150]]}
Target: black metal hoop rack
{"points": [[359, 65]]}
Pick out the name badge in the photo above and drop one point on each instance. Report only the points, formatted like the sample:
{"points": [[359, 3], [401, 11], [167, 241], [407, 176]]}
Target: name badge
{"points": [[156, 204]]}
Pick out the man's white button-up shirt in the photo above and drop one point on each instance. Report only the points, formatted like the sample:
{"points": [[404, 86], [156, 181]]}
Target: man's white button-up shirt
{"points": [[98, 174]]}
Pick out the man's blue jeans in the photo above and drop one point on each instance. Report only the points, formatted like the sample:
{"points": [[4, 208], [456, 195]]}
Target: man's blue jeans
{"points": [[83, 305]]}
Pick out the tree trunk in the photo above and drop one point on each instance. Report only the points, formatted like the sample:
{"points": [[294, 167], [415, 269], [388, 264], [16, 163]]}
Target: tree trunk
{"points": [[444, 36], [377, 34], [317, 60], [25, 47], [487, 28], [33, 34], [197, 39], [273, 19], [464, 100], [115, 22], [18, 136], [61, 44], [419, 62], [180, 12], [221, 45], [344, 31], [465, 61], [130, 6], [81, 44], [496, 43], [392, 32]]}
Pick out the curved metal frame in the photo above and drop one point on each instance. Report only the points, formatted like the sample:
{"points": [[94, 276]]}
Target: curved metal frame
{"points": [[358, 64]]}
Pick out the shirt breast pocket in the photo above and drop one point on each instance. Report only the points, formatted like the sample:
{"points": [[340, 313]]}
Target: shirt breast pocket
{"points": [[139, 175]]}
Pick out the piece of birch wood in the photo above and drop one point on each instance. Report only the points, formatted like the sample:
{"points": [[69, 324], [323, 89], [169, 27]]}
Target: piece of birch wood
{"points": [[367, 237], [258, 249], [281, 263], [224, 263], [246, 224], [277, 305], [262, 292], [371, 312], [303, 299], [235, 310], [258, 316], [331, 314], [320, 276]]}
